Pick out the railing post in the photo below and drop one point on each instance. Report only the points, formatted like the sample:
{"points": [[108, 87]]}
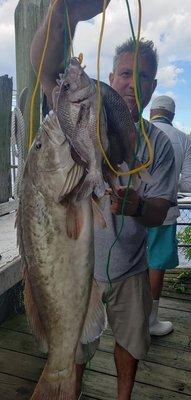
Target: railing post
{"points": [[6, 88], [28, 14]]}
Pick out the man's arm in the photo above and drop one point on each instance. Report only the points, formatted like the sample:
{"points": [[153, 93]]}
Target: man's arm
{"points": [[185, 178], [78, 10], [152, 212]]}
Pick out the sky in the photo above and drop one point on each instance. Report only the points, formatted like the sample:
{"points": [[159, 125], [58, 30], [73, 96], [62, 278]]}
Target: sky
{"points": [[167, 23]]}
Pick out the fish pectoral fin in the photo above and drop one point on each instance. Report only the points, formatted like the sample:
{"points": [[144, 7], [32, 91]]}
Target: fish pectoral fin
{"points": [[96, 318], [93, 182], [74, 221], [99, 218]]}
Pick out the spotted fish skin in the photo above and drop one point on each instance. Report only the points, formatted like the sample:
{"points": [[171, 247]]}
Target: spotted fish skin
{"points": [[57, 259]]}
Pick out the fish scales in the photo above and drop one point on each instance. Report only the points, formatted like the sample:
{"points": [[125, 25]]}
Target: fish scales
{"points": [[58, 269], [76, 104]]}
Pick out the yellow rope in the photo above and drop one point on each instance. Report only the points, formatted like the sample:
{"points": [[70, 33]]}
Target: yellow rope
{"points": [[31, 114]]}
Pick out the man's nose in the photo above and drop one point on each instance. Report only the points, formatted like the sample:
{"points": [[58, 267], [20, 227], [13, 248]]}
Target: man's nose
{"points": [[131, 82]]}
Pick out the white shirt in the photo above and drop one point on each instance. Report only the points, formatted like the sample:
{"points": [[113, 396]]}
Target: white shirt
{"points": [[182, 150]]}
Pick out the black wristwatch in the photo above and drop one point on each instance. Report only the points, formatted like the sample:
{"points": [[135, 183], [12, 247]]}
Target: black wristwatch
{"points": [[140, 208]]}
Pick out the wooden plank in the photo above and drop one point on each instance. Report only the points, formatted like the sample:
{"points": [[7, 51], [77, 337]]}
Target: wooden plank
{"points": [[166, 377], [18, 323], [19, 342], [8, 240], [10, 265], [6, 88], [146, 374], [10, 274], [13, 388], [28, 14], [176, 271], [22, 365], [103, 387], [167, 356], [22, 342], [25, 343], [8, 207], [175, 295], [176, 340], [96, 384], [176, 287], [175, 304]]}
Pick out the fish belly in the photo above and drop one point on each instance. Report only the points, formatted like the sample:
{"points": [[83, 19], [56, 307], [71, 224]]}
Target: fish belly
{"points": [[60, 272]]}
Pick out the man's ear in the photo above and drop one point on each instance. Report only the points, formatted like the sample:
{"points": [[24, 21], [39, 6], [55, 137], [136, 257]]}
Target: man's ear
{"points": [[111, 78]]}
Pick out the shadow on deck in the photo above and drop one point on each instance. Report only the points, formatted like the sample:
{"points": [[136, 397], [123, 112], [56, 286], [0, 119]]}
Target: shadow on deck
{"points": [[164, 374]]}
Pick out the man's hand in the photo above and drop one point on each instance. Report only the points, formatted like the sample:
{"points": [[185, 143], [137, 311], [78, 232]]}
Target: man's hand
{"points": [[86, 9], [153, 214], [131, 204]]}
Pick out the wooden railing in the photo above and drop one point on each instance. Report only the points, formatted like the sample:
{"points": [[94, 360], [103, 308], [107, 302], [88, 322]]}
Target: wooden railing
{"points": [[6, 88]]}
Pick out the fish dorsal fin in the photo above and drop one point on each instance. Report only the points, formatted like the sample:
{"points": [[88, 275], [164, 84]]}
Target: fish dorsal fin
{"points": [[96, 318]]}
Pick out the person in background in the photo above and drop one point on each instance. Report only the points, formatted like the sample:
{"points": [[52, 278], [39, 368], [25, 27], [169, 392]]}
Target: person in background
{"points": [[129, 302], [162, 241]]}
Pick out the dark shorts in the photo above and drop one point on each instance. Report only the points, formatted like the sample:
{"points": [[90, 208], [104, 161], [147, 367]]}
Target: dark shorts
{"points": [[162, 250]]}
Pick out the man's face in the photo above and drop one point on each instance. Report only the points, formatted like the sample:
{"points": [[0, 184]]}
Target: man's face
{"points": [[122, 81]]}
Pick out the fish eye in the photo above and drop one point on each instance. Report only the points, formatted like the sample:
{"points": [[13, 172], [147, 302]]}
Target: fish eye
{"points": [[38, 145], [66, 86]]}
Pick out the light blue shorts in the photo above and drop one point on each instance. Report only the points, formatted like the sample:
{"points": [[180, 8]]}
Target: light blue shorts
{"points": [[162, 247]]}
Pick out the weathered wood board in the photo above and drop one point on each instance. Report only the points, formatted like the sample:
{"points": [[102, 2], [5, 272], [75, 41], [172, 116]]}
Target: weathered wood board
{"points": [[10, 269], [6, 87], [163, 375]]}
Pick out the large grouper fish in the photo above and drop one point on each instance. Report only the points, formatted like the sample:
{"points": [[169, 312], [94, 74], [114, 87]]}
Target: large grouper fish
{"points": [[75, 100], [55, 238]]}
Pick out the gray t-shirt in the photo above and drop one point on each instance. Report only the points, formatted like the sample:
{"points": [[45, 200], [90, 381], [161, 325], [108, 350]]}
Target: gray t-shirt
{"points": [[181, 144], [128, 255]]}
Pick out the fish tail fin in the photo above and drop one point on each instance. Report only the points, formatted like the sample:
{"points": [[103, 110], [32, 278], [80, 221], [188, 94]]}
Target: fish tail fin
{"points": [[54, 386], [33, 314], [92, 183]]}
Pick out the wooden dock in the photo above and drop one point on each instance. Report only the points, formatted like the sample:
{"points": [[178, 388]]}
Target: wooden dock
{"points": [[10, 267], [164, 375]]}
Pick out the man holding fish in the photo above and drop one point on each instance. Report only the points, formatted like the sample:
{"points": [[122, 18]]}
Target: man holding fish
{"points": [[128, 299]]}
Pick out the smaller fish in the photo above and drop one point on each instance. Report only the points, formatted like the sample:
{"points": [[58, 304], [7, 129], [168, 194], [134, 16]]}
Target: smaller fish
{"points": [[75, 103]]}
